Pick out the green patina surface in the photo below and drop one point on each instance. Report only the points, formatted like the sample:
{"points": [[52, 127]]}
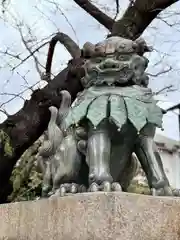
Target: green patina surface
{"points": [[133, 103], [5, 140]]}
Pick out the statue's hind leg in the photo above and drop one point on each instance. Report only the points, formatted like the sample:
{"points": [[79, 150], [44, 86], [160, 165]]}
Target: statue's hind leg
{"points": [[151, 162]]}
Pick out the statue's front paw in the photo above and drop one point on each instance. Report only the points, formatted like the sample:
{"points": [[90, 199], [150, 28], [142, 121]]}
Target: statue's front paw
{"points": [[176, 192], [164, 191], [69, 188], [105, 187]]}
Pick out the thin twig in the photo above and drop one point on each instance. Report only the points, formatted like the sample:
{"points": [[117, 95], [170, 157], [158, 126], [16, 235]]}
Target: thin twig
{"points": [[160, 73], [29, 50], [4, 112], [31, 54], [163, 89], [18, 95], [12, 94], [117, 9], [66, 18]]}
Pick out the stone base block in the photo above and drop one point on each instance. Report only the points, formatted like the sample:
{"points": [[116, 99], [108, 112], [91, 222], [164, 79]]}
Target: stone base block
{"points": [[96, 216]]}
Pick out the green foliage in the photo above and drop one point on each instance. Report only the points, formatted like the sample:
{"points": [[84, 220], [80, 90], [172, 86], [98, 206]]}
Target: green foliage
{"points": [[25, 178], [5, 140], [25, 187], [138, 188]]}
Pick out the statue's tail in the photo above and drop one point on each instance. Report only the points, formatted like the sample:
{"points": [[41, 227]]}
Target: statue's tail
{"points": [[53, 136], [64, 107]]}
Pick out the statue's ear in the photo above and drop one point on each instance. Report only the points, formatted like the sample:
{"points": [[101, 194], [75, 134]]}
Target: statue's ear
{"points": [[146, 60], [141, 46], [88, 50], [85, 54]]}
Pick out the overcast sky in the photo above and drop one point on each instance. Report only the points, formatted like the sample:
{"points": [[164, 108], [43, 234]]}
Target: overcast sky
{"points": [[43, 18]]}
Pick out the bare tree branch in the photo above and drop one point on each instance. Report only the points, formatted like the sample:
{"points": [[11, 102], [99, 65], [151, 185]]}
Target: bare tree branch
{"points": [[4, 4], [177, 106], [101, 17], [138, 16], [30, 55], [4, 112], [22, 60], [117, 9], [18, 95], [12, 94], [37, 63], [69, 44], [7, 52], [63, 14], [161, 72], [163, 89], [29, 45]]}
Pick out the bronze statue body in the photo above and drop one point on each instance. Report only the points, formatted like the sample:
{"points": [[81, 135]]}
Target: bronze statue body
{"points": [[114, 117]]}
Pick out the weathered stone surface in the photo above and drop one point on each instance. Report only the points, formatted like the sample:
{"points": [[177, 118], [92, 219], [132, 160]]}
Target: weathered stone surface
{"points": [[117, 216]]}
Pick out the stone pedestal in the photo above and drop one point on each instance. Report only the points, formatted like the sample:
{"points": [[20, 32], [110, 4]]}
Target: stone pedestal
{"points": [[96, 216]]}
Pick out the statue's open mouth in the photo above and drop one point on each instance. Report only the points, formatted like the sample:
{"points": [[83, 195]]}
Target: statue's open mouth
{"points": [[115, 73]]}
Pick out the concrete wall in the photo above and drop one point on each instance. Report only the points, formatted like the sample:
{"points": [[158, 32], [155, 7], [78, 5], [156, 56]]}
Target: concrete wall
{"points": [[92, 216]]}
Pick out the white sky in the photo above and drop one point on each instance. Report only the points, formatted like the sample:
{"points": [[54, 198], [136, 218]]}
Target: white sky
{"points": [[43, 19]]}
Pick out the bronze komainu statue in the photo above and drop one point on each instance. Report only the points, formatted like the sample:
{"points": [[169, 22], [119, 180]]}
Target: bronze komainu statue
{"points": [[90, 144]]}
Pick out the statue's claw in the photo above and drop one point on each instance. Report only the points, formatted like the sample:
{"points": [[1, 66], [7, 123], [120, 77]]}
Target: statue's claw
{"points": [[51, 193], [82, 189], [68, 188], [73, 188], [176, 192], [62, 190], [105, 187], [168, 191], [164, 191], [93, 187], [116, 187]]}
